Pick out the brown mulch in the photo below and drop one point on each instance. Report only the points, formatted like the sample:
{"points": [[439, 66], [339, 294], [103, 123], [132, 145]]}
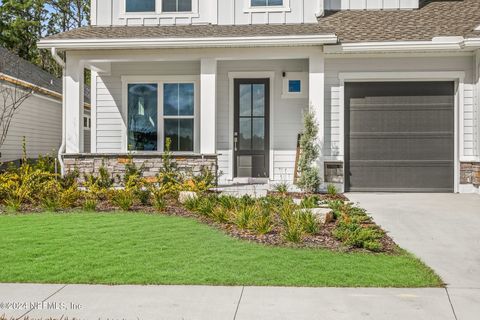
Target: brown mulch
{"points": [[301, 195]]}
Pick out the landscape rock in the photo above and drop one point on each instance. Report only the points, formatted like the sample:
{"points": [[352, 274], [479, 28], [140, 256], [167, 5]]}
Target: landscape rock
{"points": [[184, 196], [324, 215]]}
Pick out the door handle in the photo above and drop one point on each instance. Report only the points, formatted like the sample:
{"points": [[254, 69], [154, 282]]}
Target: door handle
{"points": [[235, 141]]}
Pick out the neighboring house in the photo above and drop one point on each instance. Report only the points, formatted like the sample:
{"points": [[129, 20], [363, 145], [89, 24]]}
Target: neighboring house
{"points": [[394, 85], [39, 117]]}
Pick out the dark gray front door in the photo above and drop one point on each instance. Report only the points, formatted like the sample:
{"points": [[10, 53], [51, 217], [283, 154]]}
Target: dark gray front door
{"points": [[251, 128], [399, 136]]}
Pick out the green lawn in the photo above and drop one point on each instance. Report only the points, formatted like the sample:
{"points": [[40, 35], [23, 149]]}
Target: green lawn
{"points": [[135, 248]]}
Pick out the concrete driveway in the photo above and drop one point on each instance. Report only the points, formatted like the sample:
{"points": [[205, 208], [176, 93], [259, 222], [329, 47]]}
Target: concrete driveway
{"points": [[441, 229]]}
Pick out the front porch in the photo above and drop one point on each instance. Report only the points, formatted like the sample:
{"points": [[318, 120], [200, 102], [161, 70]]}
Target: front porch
{"points": [[238, 111]]}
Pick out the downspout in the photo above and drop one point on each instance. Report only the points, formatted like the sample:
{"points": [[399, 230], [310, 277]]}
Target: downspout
{"points": [[61, 151]]}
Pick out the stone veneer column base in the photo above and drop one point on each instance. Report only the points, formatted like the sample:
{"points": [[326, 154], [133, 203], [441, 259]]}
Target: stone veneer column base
{"points": [[470, 173], [88, 164]]}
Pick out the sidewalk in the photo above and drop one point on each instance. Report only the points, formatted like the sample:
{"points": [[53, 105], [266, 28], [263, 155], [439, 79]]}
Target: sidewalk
{"points": [[211, 303]]}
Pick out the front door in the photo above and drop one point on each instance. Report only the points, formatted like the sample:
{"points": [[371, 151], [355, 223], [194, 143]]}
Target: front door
{"points": [[251, 128]]}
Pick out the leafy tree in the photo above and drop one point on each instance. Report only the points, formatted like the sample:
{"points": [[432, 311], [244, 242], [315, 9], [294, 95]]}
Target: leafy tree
{"points": [[309, 179]]}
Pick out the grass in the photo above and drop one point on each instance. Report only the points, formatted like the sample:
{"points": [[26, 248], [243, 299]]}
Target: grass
{"points": [[136, 248]]}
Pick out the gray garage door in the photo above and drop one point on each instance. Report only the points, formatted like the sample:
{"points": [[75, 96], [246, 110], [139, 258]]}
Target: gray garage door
{"points": [[399, 136]]}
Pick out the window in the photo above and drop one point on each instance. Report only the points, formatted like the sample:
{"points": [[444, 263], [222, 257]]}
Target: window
{"points": [[176, 5], [87, 123], [140, 5], [266, 3], [142, 117], [178, 115]]}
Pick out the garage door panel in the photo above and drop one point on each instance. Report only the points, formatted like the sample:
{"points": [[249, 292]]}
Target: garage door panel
{"points": [[400, 136], [390, 119], [401, 176], [407, 148]]}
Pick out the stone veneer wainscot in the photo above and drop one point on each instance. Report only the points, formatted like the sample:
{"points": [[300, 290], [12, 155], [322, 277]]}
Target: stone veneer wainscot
{"points": [[188, 164]]}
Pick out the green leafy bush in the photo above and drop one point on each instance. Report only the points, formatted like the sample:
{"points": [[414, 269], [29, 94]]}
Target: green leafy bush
{"points": [[220, 214], [281, 187], [293, 230], [309, 179], [310, 202], [262, 221], [309, 222], [124, 198], [243, 216]]}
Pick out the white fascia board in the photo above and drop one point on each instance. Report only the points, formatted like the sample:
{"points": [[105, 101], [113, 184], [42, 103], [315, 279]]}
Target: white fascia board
{"points": [[221, 42], [436, 44]]}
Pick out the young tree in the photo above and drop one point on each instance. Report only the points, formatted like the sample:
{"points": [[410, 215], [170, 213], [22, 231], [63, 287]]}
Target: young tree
{"points": [[309, 179], [12, 93]]}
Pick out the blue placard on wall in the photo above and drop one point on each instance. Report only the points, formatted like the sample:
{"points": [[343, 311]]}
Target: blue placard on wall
{"points": [[294, 86]]}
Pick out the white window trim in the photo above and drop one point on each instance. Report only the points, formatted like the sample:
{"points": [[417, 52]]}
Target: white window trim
{"points": [[158, 12], [284, 8], [456, 76], [160, 81]]}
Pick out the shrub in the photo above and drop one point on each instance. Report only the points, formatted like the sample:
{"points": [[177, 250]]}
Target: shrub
{"points": [[158, 202], [202, 182], [192, 204], [220, 214], [243, 216], [90, 204], [293, 230], [310, 202], [124, 199], [332, 190], [281, 187], [227, 202], [262, 221], [103, 179], [206, 205], [309, 222], [309, 179]]}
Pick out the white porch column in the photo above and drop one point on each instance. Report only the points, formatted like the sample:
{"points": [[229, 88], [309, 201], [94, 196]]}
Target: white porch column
{"points": [[208, 106], [73, 107], [317, 100]]}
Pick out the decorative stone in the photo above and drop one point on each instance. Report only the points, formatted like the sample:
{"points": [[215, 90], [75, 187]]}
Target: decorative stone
{"points": [[324, 215], [184, 196]]}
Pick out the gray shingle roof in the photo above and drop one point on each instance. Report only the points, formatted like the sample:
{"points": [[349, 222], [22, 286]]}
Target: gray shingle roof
{"points": [[435, 18], [16, 67], [190, 31]]}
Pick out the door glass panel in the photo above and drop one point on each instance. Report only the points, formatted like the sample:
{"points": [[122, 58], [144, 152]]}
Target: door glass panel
{"points": [[142, 117], [258, 140], [258, 100], [245, 100], [245, 134]]}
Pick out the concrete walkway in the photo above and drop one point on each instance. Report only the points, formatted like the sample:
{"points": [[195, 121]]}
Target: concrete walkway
{"points": [[211, 303], [443, 230]]}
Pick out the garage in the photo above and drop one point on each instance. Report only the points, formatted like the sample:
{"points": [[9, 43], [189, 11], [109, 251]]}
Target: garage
{"points": [[399, 136]]}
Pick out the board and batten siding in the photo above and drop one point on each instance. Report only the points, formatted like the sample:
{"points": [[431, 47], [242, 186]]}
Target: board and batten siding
{"points": [[109, 119], [335, 66], [286, 115], [39, 120]]}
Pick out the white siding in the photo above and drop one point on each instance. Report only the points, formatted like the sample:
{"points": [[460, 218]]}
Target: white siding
{"points": [[286, 115], [39, 120], [111, 12], [109, 122], [427, 64]]}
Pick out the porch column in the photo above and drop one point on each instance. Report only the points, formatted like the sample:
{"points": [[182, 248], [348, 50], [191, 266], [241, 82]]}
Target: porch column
{"points": [[73, 107], [317, 101], [208, 106]]}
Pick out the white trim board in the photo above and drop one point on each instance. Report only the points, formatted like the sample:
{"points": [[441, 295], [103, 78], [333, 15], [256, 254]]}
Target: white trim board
{"points": [[457, 76], [231, 81]]}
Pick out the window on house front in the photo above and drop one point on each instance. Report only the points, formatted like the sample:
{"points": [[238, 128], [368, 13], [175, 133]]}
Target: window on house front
{"points": [[140, 5], [266, 3], [87, 123], [143, 117], [176, 5], [179, 115]]}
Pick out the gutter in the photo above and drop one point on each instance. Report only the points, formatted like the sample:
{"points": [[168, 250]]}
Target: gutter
{"points": [[436, 44], [61, 150], [212, 42]]}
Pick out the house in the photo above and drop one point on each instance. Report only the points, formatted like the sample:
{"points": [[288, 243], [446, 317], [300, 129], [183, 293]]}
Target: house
{"points": [[394, 86], [38, 118]]}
